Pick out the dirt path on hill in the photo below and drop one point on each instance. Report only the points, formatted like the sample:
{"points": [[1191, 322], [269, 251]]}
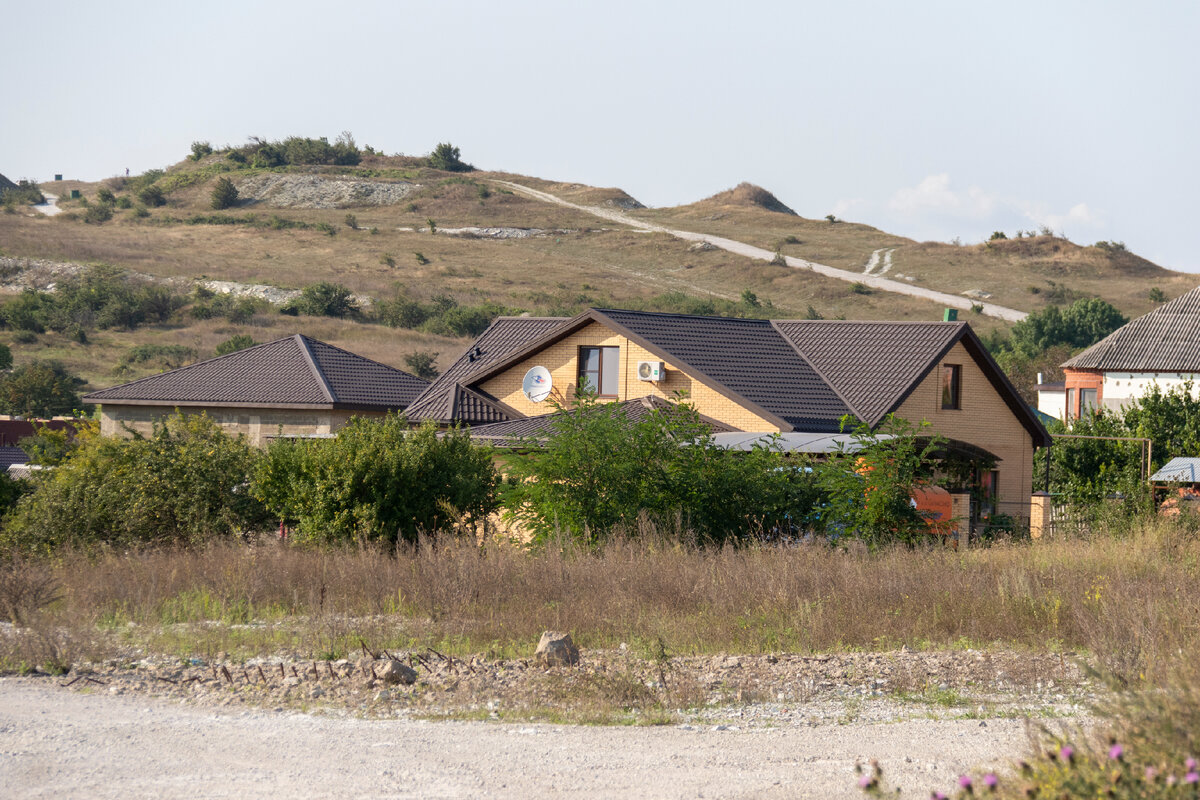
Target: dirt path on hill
{"points": [[750, 251], [61, 743], [50, 207]]}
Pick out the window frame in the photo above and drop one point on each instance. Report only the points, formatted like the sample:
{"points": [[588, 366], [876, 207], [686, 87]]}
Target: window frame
{"points": [[951, 387], [1070, 412], [600, 372], [1095, 400]]}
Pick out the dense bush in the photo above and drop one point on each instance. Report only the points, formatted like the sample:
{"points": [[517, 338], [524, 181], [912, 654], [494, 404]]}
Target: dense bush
{"points": [[200, 150], [234, 343], [152, 196], [1081, 324], [224, 194], [297, 150], [447, 157], [26, 192], [323, 299], [101, 297], [207, 304], [423, 364], [442, 315], [379, 480], [184, 483], [39, 389], [98, 213], [168, 356], [600, 470]]}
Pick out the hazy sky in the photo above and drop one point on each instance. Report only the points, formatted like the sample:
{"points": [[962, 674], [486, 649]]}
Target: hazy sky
{"points": [[932, 120]]}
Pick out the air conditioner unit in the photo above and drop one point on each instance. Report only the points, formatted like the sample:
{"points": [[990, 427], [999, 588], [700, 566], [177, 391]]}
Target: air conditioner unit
{"points": [[650, 370]]}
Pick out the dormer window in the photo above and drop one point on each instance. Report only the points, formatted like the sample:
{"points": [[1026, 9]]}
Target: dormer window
{"points": [[951, 387], [599, 370]]}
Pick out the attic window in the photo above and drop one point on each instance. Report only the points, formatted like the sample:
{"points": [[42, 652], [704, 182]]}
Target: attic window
{"points": [[599, 370], [951, 387]]}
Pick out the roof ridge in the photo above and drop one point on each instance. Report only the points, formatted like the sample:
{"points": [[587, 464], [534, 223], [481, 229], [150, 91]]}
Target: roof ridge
{"points": [[322, 381], [869, 322], [676, 314], [360, 357], [195, 364]]}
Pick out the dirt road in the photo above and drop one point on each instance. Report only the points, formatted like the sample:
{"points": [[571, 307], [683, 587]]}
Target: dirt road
{"points": [[750, 251], [62, 743]]}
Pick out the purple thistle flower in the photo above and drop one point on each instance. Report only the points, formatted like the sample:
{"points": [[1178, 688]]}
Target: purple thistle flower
{"points": [[937, 796], [1151, 774], [965, 782], [1190, 764], [1115, 752], [866, 782], [1192, 777], [1172, 780], [1067, 753], [991, 781]]}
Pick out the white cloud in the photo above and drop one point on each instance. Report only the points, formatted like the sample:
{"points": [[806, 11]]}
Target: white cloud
{"points": [[842, 207], [935, 195], [1079, 216]]}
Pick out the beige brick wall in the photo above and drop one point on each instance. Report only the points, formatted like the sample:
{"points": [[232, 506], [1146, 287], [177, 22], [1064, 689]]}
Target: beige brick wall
{"points": [[257, 425], [984, 420], [561, 359]]}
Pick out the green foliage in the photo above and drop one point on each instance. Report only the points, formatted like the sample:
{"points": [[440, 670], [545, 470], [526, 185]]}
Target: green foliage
{"points": [[1081, 324], [200, 150], [152, 196], [98, 214], [870, 486], [443, 315], [600, 470], [352, 222], [996, 235], [39, 389], [105, 195], [388, 260], [858, 287], [831, 219], [185, 483], [124, 202], [324, 299], [48, 446], [423, 364], [750, 299], [224, 194], [298, 150], [26, 192], [207, 304], [432, 226], [1156, 295], [379, 480], [234, 343], [6, 359], [447, 157], [1112, 248], [420, 257]]}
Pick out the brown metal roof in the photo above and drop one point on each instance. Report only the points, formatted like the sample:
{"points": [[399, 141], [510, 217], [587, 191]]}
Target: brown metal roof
{"points": [[539, 428], [446, 399], [1165, 340], [293, 372], [747, 360], [873, 365]]}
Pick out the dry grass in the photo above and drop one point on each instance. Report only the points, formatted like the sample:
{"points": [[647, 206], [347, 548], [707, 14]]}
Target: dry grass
{"points": [[1132, 602]]}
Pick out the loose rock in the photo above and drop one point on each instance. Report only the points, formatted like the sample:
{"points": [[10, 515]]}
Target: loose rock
{"points": [[556, 649]]}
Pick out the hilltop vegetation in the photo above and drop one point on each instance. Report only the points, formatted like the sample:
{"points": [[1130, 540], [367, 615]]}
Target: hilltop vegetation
{"points": [[439, 247]]}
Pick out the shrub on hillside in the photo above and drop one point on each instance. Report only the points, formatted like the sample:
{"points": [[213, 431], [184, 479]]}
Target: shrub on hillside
{"points": [[423, 364], [98, 213], [39, 389], [323, 299], [1082, 324], [224, 194], [235, 343], [200, 150], [379, 480], [26, 192], [168, 356], [184, 483], [152, 197], [447, 157]]}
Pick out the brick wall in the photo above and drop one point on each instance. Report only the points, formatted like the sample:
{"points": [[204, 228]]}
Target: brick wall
{"points": [[1076, 379], [984, 420], [562, 360]]}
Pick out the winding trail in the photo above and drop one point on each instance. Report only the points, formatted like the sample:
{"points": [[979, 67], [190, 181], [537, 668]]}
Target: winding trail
{"points": [[50, 207], [761, 254]]}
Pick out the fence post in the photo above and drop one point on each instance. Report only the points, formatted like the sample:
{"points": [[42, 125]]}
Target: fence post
{"points": [[1041, 511], [960, 516]]}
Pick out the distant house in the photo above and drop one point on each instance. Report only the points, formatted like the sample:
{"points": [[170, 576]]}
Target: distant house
{"points": [[291, 386], [757, 376], [1161, 348]]}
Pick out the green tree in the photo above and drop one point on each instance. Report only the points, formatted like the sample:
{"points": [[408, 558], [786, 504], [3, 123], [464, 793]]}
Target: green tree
{"points": [[599, 470], [379, 480], [423, 364], [200, 150], [447, 157], [234, 343], [6, 360], [39, 389], [325, 299], [224, 194], [184, 483], [871, 483], [152, 196], [1082, 324]]}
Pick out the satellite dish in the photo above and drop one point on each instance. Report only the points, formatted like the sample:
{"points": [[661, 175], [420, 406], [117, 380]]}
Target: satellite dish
{"points": [[537, 384]]}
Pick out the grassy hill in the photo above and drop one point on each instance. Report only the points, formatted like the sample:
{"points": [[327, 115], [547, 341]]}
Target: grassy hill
{"points": [[367, 226]]}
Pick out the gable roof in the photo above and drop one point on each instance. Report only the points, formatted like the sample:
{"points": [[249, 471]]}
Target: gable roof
{"points": [[293, 372], [873, 365], [448, 399], [514, 431], [1165, 340]]}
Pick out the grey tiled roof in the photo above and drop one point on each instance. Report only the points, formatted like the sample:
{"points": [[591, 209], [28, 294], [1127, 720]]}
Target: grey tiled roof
{"points": [[290, 372], [748, 358], [873, 365], [1165, 340], [446, 399], [1181, 469], [10, 454], [540, 427]]}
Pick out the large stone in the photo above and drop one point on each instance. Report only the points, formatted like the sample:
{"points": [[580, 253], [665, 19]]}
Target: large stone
{"points": [[394, 672], [556, 649]]}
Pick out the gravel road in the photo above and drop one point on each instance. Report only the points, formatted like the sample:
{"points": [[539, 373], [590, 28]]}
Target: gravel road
{"points": [[61, 743], [750, 251]]}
